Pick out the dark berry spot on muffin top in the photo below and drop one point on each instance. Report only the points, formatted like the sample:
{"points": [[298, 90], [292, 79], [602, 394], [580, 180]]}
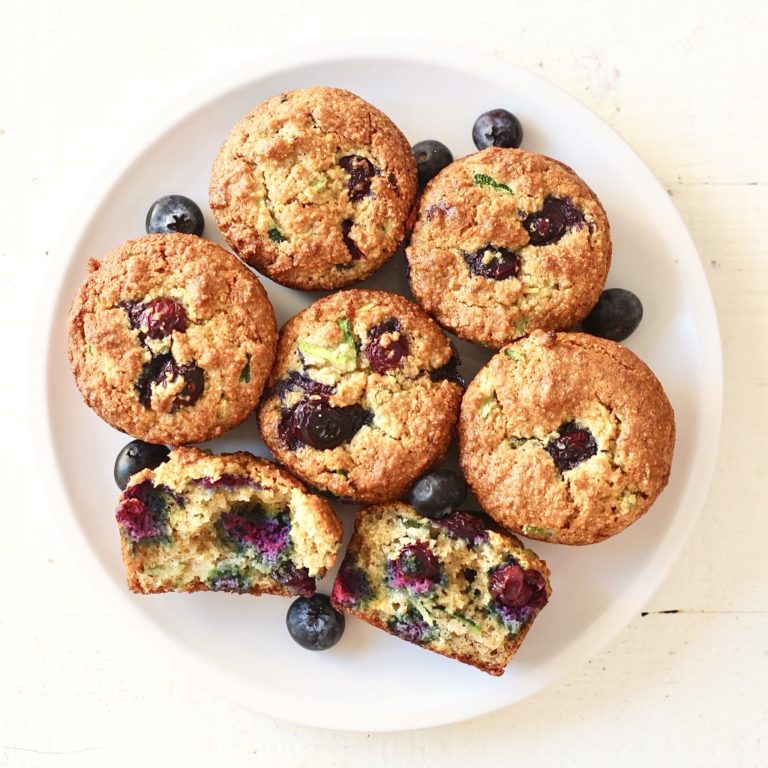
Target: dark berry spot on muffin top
{"points": [[352, 247], [157, 318], [387, 346], [548, 225], [298, 381], [319, 425], [416, 568], [163, 371], [449, 371], [361, 172], [493, 262], [276, 236], [573, 445]]}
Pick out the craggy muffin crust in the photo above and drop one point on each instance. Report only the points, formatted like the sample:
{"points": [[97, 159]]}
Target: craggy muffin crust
{"points": [[225, 342], [531, 394], [407, 412], [456, 616], [484, 200], [198, 502], [292, 191]]}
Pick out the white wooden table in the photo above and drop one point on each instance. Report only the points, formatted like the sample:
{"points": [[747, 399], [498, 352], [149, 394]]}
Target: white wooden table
{"points": [[684, 83]]}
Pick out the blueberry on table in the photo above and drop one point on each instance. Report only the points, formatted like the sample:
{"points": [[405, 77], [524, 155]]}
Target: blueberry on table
{"points": [[437, 493], [134, 457], [431, 157], [314, 623], [497, 128], [175, 213], [616, 315]]}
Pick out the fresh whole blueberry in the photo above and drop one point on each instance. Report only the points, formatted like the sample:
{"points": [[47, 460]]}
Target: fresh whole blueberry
{"points": [[314, 623], [573, 445], [437, 493], [497, 128], [134, 457], [175, 213], [431, 157], [616, 315]]}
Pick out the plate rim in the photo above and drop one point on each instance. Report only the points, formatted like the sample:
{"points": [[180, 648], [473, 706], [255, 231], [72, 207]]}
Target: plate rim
{"points": [[466, 59]]}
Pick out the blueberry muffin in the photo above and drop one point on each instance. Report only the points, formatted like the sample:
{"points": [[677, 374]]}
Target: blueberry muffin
{"points": [[231, 523], [315, 188], [364, 395], [565, 437], [454, 585], [505, 242], [171, 339]]}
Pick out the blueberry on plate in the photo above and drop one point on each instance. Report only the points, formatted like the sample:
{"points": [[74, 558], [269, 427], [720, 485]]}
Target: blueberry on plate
{"points": [[134, 457], [314, 623], [431, 157], [497, 128], [437, 493], [616, 315], [175, 213]]}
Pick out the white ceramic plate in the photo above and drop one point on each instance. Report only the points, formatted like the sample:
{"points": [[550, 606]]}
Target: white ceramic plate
{"points": [[370, 681]]}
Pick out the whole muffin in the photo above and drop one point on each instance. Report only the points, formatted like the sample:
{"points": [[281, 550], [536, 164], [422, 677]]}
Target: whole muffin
{"points": [[364, 395], [171, 339], [565, 437], [231, 523], [456, 585], [505, 242], [315, 188]]}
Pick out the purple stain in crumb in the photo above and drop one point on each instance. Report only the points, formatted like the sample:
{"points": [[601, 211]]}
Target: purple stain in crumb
{"points": [[143, 511], [351, 586], [228, 482], [268, 536], [295, 578], [385, 356], [462, 525], [361, 173], [415, 568], [352, 246], [411, 628]]}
